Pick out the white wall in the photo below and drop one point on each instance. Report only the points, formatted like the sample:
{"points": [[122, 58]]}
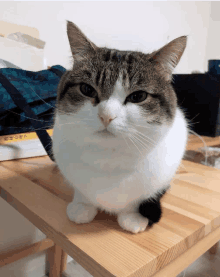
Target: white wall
{"points": [[144, 26], [213, 41], [124, 25]]}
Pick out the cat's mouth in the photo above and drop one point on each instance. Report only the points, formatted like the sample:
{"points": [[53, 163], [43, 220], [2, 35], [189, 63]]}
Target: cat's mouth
{"points": [[105, 133]]}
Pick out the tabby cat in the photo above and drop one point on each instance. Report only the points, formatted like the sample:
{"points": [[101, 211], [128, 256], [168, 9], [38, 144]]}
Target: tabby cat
{"points": [[119, 135]]}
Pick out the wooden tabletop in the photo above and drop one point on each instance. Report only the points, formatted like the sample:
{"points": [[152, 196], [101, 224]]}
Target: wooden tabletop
{"points": [[189, 226]]}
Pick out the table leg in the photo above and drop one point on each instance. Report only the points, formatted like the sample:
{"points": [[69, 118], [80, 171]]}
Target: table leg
{"points": [[63, 261], [56, 261]]}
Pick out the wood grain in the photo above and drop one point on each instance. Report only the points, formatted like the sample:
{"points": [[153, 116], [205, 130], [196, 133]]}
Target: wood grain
{"points": [[189, 225]]}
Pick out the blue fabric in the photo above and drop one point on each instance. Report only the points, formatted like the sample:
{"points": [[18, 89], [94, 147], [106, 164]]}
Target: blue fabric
{"points": [[37, 88]]}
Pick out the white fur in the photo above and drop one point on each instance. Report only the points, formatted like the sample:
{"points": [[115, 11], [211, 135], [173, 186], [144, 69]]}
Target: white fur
{"points": [[112, 173]]}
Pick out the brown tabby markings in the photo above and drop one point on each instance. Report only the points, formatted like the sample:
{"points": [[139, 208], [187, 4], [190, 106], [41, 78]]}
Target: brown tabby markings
{"points": [[101, 69]]}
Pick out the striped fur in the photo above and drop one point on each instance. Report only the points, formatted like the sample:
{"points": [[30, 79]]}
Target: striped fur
{"points": [[126, 167]]}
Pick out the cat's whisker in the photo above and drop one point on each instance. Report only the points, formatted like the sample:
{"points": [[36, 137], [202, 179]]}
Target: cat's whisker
{"points": [[75, 121], [132, 139], [142, 143], [194, 117], [33, 130], [134, 144], [50, 126], [133, 131], [62, 113], [147, 127], [48, 144], [38, 95], [193, 123], [149, 140], [27, 116], [62, 140], [80, 120], [144, 139], [125, 139]]}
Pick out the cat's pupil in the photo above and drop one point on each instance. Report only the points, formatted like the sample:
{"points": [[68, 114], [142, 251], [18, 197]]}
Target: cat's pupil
{"points": [[87, 90], [138, 96]]}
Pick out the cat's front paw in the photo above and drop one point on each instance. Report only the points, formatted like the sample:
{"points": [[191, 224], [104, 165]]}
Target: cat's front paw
{"points": [[80, 213], [132, 222]]}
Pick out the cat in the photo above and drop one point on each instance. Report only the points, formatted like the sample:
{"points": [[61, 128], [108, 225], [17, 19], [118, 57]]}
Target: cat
{"points": [[119, 135]]}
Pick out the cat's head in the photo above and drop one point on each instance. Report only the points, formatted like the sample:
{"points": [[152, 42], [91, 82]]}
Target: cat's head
{"points": [[111, 93]]}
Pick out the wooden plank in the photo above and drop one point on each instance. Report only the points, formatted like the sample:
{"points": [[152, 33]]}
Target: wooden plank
{"points": [[97, 249], [192, 210], [199, 180], [15, 255], [44, 172], [102, 247], [183, 261], [196, 194]]}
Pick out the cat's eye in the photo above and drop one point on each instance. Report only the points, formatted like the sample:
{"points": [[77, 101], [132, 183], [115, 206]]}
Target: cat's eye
{"points": [[137, 97], [88, 90]]}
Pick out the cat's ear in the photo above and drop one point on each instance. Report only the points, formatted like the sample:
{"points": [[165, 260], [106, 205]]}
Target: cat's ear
{"points": [[80, 45], [167, 57]]}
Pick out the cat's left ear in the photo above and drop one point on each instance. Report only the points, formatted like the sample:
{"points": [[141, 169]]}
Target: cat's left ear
{"points": [[167, 57]]}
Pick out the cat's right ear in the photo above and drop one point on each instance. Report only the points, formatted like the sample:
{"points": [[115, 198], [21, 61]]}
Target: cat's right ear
{"points": [[80, 45], [167, 57]]}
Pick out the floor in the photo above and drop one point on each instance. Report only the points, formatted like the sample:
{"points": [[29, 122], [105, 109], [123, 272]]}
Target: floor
{"points": [[207, 265]]}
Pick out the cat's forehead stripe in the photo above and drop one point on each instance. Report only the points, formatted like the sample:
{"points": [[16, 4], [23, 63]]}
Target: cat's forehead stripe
{"points": [[106, 56], [113, 67], [112, 55]]}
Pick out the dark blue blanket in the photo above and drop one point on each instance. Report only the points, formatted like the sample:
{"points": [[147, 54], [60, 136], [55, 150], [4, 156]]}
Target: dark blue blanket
{"points": [[40, 91]]}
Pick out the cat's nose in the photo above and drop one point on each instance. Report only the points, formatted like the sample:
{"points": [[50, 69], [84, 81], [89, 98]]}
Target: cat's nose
{"points": [[106, 120]]}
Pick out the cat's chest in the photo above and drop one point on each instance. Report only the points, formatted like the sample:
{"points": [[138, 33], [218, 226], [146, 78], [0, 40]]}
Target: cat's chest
{"points": [[108, 160], [105, 177], [111, 189]]}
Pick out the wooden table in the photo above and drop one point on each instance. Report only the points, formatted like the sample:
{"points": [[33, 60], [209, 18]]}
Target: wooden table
{"points": [[189, 227]]}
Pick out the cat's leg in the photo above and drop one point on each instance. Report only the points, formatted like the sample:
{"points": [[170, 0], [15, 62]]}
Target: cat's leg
{"points": [[132, 222], [80, 210], [151, 208], [149, 213]]}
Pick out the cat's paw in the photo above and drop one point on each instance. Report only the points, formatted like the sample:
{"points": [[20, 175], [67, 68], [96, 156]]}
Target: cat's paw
{"points": [[132, 222], [80, 213]]}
